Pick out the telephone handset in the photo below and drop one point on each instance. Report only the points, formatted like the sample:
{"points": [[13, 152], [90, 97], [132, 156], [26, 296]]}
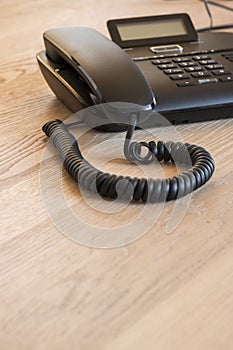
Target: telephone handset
{"points": [[82, 65]]}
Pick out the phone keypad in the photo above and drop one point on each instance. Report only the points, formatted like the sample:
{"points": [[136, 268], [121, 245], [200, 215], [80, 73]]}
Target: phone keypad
{"points": [[190, 70]]}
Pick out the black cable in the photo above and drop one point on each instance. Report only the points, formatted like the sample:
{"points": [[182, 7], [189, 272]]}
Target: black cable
{"points": [[127, 188], [220, 5], [212, 27], [209, 12]]}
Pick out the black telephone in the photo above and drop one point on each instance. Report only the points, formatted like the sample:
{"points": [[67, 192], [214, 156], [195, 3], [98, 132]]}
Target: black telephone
{"points": [[151, 56], [158, 62]]}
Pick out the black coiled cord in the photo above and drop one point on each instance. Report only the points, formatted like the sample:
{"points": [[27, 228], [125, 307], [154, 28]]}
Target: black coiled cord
{"points": [[139, 189]]}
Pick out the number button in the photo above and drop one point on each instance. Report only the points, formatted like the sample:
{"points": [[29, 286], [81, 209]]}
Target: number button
{"points": [[163, 61], [179, 77], [201, 74], [166, 66], [187, 64], [214, 66], [173, 71], [221, 72], [181, 59], [204, 62], [202, 57], [194, 69]]}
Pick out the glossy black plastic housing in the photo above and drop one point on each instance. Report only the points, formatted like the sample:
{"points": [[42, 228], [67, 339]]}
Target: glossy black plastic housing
{"points": [[85, 69]]}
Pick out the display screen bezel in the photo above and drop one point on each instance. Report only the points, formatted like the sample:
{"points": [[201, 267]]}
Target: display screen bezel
{"points": [[191, 34]]}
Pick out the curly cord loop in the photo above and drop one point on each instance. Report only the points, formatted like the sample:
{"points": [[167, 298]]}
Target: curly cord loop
{"points": [[137, 189]]}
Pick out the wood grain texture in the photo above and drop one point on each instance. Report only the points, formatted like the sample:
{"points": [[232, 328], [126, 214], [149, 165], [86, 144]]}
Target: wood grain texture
{"points": [[164, 291]]}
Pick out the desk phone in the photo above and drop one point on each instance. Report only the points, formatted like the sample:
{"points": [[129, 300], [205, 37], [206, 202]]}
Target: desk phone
{"points": [[159, 62], [155, 64]]}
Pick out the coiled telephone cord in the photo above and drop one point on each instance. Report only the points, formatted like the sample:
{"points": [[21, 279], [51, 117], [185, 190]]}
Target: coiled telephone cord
{"points": [[128, 188]]}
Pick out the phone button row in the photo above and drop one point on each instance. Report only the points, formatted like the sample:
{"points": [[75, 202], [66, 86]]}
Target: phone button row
{"points": [[204, 81], [198, 82]]}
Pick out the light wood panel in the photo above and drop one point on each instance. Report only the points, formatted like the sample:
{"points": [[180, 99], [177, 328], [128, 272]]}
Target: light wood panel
{"points": [[164, 291]]}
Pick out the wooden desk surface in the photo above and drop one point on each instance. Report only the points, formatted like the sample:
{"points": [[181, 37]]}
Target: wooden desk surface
{"points": [[164, 291]]}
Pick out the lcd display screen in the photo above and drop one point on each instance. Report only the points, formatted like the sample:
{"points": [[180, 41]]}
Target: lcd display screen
{"points": [[151, 29]]}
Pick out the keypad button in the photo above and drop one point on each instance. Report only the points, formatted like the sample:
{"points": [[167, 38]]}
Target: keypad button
{"points": [[214, 66], [221, 72], [207, 81], [173, 71], [166, 66], [226, 79], [187, 64], [204, 62], [186, 83], [201, 57], [163, 61], [181, 59], [194, 69], [201, 74], [179, 76]]}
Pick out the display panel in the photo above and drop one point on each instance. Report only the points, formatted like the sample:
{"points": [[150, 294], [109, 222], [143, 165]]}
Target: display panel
{"points": [[151, 29]]}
